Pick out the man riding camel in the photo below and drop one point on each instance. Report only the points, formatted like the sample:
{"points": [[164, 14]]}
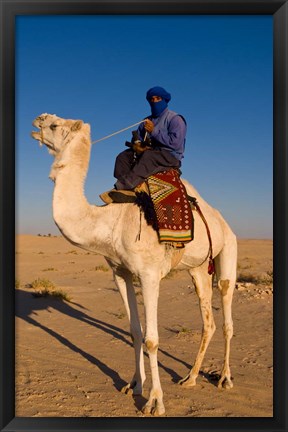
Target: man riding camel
{"points": [[157, 145]]}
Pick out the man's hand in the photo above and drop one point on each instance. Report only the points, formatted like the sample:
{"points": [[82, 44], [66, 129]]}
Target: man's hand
{"points": [[138, 148], [148, 125]]}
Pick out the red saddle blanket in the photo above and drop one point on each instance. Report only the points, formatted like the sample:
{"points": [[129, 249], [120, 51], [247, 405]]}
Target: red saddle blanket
{"points": [[174, 218]]}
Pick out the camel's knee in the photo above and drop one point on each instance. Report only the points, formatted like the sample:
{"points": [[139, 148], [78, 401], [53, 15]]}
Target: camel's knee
{"points": [[151, 345], [212, 327], [208, 329], [228, 330], [224, 286]]}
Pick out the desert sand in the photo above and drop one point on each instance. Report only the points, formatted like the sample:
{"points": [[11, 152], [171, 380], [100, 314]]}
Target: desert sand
{"points": [[74, 351]]}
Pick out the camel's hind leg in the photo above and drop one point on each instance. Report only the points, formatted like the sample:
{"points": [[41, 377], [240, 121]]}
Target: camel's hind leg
{"points": [[203, 285], [226, 266], [123, 279]]}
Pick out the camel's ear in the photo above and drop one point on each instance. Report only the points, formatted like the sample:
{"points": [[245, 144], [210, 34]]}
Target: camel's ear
{"points": [[77, 125]]}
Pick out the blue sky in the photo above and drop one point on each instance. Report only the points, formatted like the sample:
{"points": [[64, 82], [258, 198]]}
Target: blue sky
{"points": [[218, 70]]}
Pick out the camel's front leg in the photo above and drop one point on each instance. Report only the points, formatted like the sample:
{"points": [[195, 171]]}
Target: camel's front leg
{"points": [[150, 287], [203, 285], [123, 279]]}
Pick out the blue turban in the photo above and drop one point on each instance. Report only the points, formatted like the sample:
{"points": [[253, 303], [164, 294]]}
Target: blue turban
{"points": [[158, 91], [158, 107]]}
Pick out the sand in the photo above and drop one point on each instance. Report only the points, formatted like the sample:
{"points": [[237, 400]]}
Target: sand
{"points": [[74, 355]]}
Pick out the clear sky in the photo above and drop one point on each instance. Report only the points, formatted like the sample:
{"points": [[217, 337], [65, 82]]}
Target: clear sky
{"points": [[218, 70]]}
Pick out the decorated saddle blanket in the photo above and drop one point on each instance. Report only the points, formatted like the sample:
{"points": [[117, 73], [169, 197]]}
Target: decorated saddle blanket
{"points": [[170, 213]]}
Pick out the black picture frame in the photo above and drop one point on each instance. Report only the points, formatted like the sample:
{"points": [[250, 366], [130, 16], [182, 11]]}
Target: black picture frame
{"points": [[9, 10]]}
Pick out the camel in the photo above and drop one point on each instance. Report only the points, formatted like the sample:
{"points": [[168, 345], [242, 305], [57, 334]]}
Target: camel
{"points": [[113, 231]]}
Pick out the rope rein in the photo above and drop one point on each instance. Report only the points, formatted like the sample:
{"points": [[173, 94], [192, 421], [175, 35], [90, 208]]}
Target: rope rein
{"points": [[115, 133]]}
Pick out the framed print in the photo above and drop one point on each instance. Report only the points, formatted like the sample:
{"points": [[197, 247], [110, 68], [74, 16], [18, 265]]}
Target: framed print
{"points": [[105, 86]]}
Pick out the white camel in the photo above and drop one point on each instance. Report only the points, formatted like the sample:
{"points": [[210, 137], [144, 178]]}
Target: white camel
{"points": [[112, 230]]}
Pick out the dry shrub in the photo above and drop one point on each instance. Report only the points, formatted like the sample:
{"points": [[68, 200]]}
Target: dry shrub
{"points": [[46, 288]]}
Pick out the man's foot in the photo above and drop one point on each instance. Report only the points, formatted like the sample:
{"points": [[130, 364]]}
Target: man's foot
{"points": [[118, 196], [106, 198], [122, 196]]}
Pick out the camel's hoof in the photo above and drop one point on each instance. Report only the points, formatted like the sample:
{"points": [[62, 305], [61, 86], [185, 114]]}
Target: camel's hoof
{"points": [[153, 410], [225, 383], [146, 409], [127, 389], [158, 411], [188, 381], [131, 389]]}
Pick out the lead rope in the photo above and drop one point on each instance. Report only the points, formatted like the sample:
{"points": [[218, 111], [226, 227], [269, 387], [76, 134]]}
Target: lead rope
{"points": [[115, 133], [211, 266]]}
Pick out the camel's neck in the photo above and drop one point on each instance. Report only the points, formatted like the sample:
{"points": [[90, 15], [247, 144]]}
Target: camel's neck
{"points": [[70, 207], [84, 225]]}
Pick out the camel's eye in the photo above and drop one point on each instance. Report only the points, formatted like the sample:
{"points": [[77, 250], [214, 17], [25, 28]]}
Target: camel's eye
{"points": [[53, 126]]}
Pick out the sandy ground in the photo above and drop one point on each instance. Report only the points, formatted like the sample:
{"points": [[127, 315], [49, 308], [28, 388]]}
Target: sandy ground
{"points": [[73, 357]]}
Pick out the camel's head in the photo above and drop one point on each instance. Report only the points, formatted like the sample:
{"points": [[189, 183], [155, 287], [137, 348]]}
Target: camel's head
{"points": [[58, 135], [55, 132]]}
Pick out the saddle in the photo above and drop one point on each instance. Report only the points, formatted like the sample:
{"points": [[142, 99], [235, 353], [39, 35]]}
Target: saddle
{"points": [[167, 208], [165, 204]]}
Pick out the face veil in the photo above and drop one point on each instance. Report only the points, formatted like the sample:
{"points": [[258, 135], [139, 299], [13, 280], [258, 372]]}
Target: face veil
{"points": [[158, 107]]}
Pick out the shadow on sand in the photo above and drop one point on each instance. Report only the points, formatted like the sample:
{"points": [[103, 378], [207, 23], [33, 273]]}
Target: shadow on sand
{"points": [[27, 306]]}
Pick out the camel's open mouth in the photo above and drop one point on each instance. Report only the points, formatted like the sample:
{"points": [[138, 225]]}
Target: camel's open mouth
{"points": [[36, 135], [39, 137]]}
